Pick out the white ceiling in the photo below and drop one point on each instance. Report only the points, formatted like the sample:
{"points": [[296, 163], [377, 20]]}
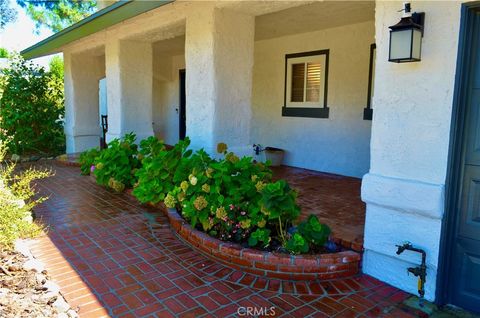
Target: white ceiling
{"points": [[174, 46], [316, 16], [305, 18]]}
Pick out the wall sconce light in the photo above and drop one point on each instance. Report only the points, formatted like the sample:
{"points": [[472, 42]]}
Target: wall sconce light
{"points": [[406, 37]]}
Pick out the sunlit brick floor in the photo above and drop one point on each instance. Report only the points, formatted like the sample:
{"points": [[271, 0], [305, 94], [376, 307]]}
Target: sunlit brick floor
{"points": [[333, 198], [114, 257]]}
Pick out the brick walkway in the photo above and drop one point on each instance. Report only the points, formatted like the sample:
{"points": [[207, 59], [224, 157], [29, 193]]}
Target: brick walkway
{"points": [[114, 257], [333, 198]]}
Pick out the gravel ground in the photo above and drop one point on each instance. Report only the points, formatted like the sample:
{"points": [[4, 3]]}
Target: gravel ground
{"points": [[25, 290]]}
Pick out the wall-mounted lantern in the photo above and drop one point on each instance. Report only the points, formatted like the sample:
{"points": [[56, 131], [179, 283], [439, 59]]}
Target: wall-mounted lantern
{"points": [[406, 37]]}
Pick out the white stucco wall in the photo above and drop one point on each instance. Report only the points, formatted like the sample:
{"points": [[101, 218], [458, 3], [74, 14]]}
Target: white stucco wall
{"points": [[404, 190], [166, 99], [82, 73], [338, 144], [219, 60], [129, 73]]}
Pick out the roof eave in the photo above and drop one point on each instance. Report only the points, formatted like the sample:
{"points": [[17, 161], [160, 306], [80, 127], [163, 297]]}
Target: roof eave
{"points": [[111, 15]]}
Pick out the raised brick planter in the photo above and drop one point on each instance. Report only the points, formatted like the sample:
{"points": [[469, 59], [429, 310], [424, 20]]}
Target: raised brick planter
{"points": [[68, 160], [273, 265]]}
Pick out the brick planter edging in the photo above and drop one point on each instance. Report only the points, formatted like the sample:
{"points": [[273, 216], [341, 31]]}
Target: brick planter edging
{"points": [[269, 264], [272, 265], [67, 162]]}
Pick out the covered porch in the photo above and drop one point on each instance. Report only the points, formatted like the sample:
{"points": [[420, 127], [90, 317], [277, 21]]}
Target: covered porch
{"points": [[228, 72]]}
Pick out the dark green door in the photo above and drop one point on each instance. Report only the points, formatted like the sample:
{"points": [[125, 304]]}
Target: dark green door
{"points": [[465, 263]]}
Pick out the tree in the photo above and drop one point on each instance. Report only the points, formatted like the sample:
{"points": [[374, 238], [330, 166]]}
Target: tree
{"points": [[3, 52], [56, 67], [57, 14], [7, 14], [30, 108]]}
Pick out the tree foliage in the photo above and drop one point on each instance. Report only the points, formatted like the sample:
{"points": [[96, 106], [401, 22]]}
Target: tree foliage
{"points": [[57, 14], [7, 13], [56, 67], [3, 52], [30, 108]]}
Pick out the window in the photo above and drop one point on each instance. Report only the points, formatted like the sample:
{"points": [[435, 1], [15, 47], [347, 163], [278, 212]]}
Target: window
{"points": [[306, 77]]}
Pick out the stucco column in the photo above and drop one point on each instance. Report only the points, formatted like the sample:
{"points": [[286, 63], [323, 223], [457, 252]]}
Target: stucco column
{"points": [[129, 88], [82, 128], [219, 63], [404, 189]]}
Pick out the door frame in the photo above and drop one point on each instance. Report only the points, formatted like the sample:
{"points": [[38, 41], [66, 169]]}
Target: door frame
{"points": [[456, 152], [182, 112]]}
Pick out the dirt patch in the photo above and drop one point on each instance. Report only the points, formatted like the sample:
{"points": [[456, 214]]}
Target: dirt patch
{"points": [[26, 292]]}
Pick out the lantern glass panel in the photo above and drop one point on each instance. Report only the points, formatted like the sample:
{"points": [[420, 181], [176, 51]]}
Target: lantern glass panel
{"points": [[400, 44], [416, 44]]}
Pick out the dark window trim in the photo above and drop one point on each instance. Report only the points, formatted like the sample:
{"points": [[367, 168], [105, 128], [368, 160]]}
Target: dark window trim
{"points": [[313, 112], [368, 111]]}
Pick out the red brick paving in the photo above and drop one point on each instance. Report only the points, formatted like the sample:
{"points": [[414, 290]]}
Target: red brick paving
{"points": [[333, 198], [111, 255]]}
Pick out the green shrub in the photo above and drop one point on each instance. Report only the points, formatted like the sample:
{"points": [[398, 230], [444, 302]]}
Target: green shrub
{"points": [[155, 177], [116, 165], [297, 244], [222, 196], [309, 235], [314, 232], [260, 236], [17, 201], [87, 160], [150, 146], [279, 204], [233, 199], [56, 67], [4, 53], [30, 109]]}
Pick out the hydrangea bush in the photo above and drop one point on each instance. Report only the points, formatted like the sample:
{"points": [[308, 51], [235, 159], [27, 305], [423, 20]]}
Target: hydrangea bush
{"points": [[115, 166], [232, 199], [155, 176], [87, 160]]}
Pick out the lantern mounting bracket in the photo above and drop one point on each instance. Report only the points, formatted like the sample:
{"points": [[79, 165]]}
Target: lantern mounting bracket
{"points": [[419, 18]]}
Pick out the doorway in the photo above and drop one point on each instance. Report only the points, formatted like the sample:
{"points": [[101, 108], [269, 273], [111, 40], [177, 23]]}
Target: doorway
{"points": [[460, 273], [183, 103]]}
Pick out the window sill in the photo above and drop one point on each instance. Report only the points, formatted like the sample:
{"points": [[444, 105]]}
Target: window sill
{"points": [[305, 112]]}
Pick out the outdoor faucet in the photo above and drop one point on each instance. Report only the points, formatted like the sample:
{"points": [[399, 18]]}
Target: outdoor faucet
{"points": [[419, 271], [257, 149], [402, 248]]}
